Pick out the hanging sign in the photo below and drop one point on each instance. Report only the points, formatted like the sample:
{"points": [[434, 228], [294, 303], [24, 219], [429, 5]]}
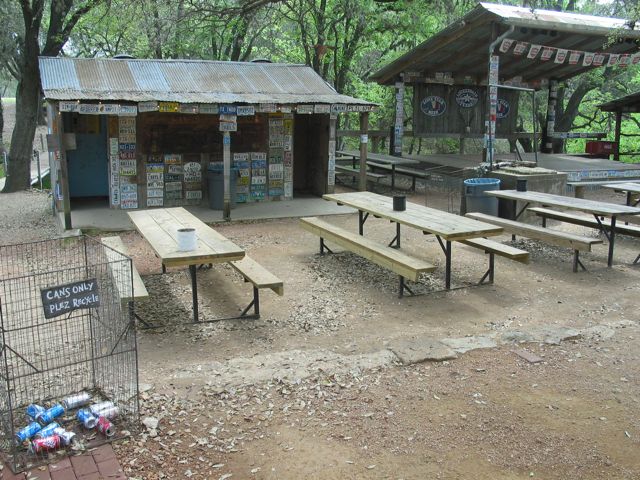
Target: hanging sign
{"points": [[189, 108], [208, 108], [268, 108], [228, 127], [561, 54], [546, 54], [520, 48], [147, 107], [635, 59], [624, 60], [574, 58], [227, 109], [68, 106], [127, 110], [506, 45], [598, 59], [168, 107], [433, 106], [63, 299], [503, 108], [588, 59], [321, 108], [613, 59], [533, 51], [304, 109], [338, 108], [246, 111], [286, 108]]}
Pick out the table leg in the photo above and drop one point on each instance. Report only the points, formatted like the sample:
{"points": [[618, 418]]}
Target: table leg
{"points": [[612, 237], [393, 176], [628, 198], [194, 292], [447, 270]]}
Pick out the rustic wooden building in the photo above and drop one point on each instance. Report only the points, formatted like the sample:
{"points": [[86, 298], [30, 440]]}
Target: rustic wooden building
{"points": [[626, 105], [145, 133]]}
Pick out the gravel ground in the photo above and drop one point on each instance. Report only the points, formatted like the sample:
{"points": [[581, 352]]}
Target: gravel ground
{"points": [[26, 217]]}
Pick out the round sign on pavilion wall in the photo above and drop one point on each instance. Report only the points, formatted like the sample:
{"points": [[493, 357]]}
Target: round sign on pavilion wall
{"points": [[467, 97], [503, 108], [433, 106]]}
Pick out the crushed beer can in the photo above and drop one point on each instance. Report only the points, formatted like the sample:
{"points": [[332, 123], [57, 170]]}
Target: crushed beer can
{"points": [[51, 414], [27, 432], [99, 407], [87, 418], [34, 410], [46, 444], [48, 430], [105, 427], [75, 401], [109, 413]]}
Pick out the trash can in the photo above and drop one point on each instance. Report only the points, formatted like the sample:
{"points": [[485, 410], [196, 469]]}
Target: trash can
{"points": [[215, 180], [476, 200]]}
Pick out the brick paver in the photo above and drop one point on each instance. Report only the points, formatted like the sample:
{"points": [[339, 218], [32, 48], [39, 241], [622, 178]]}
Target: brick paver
{"points": [[98, 464]]}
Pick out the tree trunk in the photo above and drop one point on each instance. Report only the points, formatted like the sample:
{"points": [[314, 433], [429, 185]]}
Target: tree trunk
{"points": [[1, 127]]}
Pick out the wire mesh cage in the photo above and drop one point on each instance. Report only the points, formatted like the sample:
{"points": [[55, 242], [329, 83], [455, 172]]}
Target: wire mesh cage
{"points": [[68, 344]]}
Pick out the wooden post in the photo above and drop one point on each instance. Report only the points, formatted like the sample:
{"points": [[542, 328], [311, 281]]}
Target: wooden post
{"points": [[616, 152], [331, 163], [226, 159], [364, 139], [395, 146], [57, 129], [547, 141]]}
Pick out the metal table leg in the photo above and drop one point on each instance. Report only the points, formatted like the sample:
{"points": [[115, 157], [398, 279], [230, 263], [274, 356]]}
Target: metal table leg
{"points": [[393, 176], [447, 270], [194, 292], [612, 237]]}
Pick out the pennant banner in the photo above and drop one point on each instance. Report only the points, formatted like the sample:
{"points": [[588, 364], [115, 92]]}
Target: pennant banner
{"points": [[546, 54], [520, 48], [533, 51], [574, 58], [506, 45], [588, 59]]}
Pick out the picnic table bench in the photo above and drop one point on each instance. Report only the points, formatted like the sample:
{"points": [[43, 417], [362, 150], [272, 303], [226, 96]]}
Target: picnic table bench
{"points": [[387, 162], [355, 171], [387, 257], [576, 242]]}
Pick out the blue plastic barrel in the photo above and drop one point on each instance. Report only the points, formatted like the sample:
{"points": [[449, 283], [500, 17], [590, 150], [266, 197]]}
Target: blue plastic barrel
{"points": [[476, 199]]}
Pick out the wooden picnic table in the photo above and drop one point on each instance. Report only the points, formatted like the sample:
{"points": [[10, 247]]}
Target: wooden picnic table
{"points": [[446, 227], [628, 187], [594, 207], [159, 227], [380, 158]]}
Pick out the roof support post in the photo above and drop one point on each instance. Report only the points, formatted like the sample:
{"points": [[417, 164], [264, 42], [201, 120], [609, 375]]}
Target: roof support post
{"points": [[226, 161], [547, 139], [616, 152], [364, 139], [398, 131], [331, 166], [59, 164]]}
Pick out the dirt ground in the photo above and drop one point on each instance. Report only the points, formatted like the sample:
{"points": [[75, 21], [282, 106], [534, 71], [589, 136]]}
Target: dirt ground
{"points": [[310, 390]]}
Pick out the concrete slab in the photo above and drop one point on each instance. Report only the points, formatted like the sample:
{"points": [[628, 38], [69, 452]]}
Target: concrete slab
{"points": [[417, 350], [466, 344], [96, 215]]}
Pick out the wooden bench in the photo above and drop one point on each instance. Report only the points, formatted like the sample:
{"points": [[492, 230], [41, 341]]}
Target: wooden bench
{"points": [[579, 186], [354, 172], [410, 172], [260, 277], [576, 242], [547, 213], [387, 257], [128, 293], [494, 248]]}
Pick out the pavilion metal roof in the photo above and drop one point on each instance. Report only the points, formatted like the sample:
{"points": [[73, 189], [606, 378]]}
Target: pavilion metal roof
{"points": [[463, 47], [627, 104], [185, 81]]}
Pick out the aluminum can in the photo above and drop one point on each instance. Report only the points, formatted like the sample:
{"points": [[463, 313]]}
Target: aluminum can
{"points": [[66, 437], [105, 427], [98, 407], [46, 444], [48, 430], [49, 415], [34, 410], [109, 413], [87, 418], [75, 401], [27, 432]]}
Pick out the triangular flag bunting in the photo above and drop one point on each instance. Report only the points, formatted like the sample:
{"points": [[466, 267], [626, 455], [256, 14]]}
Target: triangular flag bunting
{"points": [[613, 59], [520, 48], [625, 60], [574, 58], [588, 59], [598, 59], [547, 52]]}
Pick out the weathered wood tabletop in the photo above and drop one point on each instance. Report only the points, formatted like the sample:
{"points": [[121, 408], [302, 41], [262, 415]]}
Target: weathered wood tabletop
{"points": [[159, 227], [380, 158], [446, 225], [624, 187], [590, 206]]}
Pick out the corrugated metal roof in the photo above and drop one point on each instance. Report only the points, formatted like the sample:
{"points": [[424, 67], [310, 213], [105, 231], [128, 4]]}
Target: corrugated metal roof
{"points": [[185, 81], [627, 104], [462, 48]]}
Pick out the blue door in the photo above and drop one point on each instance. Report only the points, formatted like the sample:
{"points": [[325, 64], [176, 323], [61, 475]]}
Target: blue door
{"points": [[89, 162]]}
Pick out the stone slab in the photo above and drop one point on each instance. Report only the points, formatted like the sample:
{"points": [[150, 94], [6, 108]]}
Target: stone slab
{"points": [[417, 350], [466, 344]]}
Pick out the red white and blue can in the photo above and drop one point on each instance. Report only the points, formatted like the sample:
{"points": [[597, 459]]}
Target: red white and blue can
{"points": [[105, 427], [75, 401], [48, 430], [27, 432], [34, 410], [51, 414], [46, 444], [87, 418], [108, 413]]}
